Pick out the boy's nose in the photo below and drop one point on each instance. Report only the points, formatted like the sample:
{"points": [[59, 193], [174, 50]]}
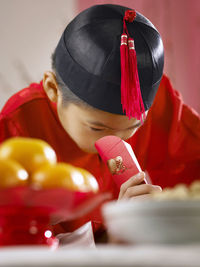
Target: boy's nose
{"points": [[121, 135]]}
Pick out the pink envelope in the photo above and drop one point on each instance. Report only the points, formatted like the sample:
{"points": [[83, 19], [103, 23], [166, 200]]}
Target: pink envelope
{"points": [[119, 157]]}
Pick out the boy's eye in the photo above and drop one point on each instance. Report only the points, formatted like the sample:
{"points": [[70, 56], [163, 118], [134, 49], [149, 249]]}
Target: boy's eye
{"points": [[96, 129]]}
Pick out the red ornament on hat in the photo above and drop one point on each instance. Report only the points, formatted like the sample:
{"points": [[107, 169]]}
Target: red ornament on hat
{"points": [[131, 97]]}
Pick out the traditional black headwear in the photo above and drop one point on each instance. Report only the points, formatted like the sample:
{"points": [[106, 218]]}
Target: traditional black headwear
{"points": [[87, 56]]}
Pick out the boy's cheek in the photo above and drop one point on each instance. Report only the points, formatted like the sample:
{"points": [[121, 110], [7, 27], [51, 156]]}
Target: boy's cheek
{"points": [[84, 140], [87, 146]]}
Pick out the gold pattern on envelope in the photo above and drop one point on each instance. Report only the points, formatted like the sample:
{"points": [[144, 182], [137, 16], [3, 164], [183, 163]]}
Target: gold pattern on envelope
{"points": [[116, 165]]}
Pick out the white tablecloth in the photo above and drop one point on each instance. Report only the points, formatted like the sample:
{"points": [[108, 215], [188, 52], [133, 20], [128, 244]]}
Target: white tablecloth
{"points": [[107, 255]]}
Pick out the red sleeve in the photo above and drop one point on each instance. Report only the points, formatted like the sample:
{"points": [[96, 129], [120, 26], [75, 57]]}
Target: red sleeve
{"points": [[7, 128], [14, 116], [168, 144]]}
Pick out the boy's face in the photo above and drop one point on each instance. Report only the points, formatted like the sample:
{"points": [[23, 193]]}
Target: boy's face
{"points": [[85, 126]]}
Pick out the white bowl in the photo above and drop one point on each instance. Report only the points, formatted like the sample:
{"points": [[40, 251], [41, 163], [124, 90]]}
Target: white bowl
{"points": [[153, 221]]}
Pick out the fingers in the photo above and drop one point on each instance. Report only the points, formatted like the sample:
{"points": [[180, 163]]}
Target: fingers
{"points": [[145, 196], [142, 197], [139, 190], [134, 180], [134, 187]]}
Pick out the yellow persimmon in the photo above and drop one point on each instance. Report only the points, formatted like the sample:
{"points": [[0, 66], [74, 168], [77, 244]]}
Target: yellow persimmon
{"points": [[90, 181], [64, 175], [12, 174], [31, 153]]}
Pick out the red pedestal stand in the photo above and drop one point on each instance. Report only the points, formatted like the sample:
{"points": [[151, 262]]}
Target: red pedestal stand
{"points": [[26, 213], [25, 226]]}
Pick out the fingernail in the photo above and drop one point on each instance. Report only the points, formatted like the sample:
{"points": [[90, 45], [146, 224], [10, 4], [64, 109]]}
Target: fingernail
{"points": [[157, 187], [140, 175]]}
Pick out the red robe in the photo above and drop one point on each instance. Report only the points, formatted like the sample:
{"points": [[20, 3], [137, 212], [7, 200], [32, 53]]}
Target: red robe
{"points": [[167, 145]]}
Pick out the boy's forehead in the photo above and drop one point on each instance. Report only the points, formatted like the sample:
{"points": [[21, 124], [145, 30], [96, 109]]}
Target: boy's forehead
{"points": [[102, 118]]}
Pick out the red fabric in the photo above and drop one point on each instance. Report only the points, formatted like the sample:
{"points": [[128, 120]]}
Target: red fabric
{"points": [[167, 145]]}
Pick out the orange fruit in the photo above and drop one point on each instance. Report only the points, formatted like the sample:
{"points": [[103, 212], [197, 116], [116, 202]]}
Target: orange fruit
{"points": [[31, 153], [89, 180], [64, 175], [12, 174]]}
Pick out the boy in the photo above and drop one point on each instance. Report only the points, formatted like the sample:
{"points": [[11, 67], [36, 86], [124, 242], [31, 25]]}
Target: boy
{"points": [[80, 102]]}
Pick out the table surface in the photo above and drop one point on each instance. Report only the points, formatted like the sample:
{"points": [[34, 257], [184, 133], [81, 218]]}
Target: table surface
{"points": [[105, 255]]}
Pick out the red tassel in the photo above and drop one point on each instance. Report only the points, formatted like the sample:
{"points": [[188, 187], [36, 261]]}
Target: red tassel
{"points": [[131, 97], [124, 70], [137, 109]]}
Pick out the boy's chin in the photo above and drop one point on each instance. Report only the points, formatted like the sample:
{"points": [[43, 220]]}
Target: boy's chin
{"points": [[89, 150]]}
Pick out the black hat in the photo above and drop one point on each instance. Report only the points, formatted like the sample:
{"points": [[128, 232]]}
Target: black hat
{"points": [[87, 57]]}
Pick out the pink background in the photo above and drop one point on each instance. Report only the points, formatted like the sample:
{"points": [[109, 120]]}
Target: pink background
{"points": [[178, 22]]}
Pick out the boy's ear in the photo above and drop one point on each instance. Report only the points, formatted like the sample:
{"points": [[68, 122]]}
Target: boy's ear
{"points": [[50, 86]]}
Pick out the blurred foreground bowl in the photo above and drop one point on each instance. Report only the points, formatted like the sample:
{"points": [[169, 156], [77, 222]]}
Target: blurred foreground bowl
{"points": [[153, 221]]}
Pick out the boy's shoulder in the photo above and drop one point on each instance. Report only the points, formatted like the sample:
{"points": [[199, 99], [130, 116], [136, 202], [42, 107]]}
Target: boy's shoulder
{"points": [[33, 92]]}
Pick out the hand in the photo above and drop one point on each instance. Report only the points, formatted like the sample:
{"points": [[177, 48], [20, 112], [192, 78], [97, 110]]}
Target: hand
{"points": [[135, 188]]}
